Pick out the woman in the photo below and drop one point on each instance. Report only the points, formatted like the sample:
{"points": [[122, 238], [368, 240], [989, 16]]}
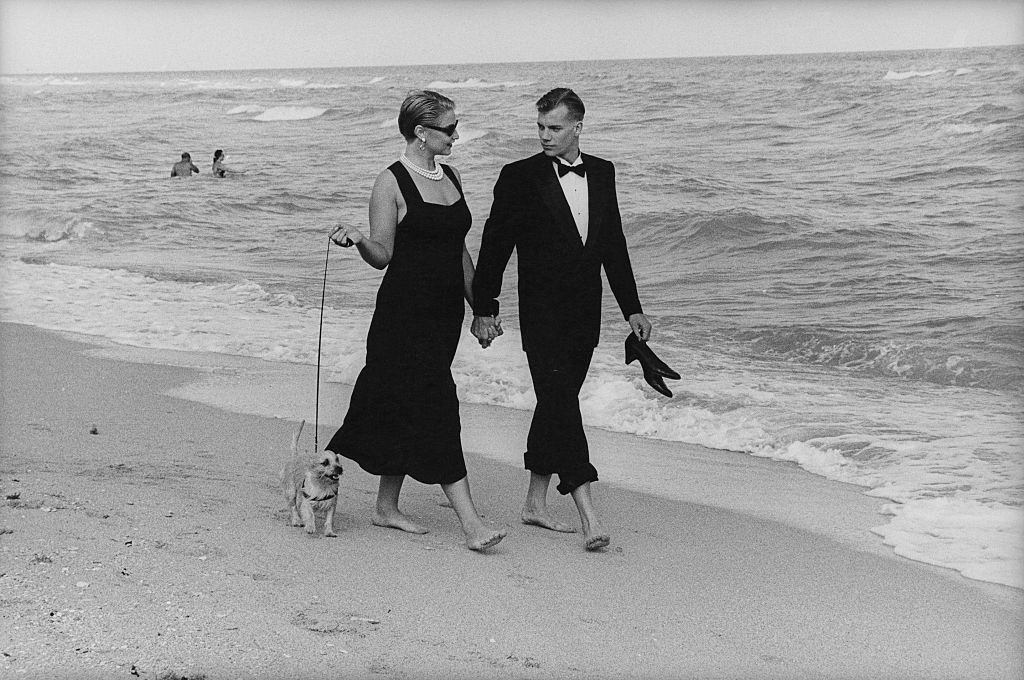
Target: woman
{"points": [[219, 169], [403, 416]]}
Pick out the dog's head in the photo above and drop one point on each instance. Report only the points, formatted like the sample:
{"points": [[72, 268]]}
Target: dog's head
{"points": [[328, 466]]}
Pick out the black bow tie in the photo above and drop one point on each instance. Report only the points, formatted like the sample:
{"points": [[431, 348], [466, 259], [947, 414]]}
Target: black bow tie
{"points": [[564, 169]]}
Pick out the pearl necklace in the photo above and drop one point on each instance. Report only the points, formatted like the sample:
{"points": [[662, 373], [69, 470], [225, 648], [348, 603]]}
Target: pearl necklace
{"points": [[437, 174]]}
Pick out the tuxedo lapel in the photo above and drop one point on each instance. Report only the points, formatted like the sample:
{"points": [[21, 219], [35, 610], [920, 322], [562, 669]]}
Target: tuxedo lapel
{"points": [[597, 193], [554, 198]]}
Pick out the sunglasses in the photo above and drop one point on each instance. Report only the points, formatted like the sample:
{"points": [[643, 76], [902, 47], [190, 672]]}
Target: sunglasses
{"points": [[449, 130]]}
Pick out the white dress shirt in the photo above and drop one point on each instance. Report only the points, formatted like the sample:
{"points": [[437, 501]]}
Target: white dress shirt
{"points": [[576, 194]]}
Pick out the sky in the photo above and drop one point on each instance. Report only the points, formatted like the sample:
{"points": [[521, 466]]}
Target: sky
{"points": [[83, 36]]}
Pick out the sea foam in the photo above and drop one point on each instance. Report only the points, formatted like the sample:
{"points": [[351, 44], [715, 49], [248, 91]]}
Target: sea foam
{"points": [[980, 541], [897, 75], [245, 108], [45, 228], [285, 113], [471, 84]]}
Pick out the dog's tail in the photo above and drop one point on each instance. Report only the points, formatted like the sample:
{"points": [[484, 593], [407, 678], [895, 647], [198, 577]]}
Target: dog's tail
{"points": [[295, 439]]}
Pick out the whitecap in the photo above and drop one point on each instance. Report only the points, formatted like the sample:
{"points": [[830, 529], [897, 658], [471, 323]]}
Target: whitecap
{"points": [[44, 228], [74, 80], [897, 75], [469, 83], [245, 108], [960, 129], [279, 113], [469, 135]]}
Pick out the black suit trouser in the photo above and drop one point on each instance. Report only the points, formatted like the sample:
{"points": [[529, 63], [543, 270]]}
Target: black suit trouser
{"points": [[556, 443]]}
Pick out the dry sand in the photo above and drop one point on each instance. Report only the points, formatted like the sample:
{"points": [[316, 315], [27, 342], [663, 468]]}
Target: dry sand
{"points": [[156, 546]]}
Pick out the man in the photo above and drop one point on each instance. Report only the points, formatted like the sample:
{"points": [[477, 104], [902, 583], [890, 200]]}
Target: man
{"points": [[184, 167], [559, 210]]}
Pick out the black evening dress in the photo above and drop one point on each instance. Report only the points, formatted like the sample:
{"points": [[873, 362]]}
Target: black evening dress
{"points": [[403, 416]]}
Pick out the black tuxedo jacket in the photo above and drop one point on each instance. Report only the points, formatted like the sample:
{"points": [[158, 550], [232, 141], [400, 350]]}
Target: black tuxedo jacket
{"points": [[559, 276]]}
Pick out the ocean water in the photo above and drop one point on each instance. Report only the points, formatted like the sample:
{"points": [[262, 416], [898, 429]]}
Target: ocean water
{"points": [[830, 248]]}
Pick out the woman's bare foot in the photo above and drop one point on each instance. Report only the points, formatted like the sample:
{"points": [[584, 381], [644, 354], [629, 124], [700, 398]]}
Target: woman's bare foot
{"points": [[396, 520], [479, 536], [387, 513], [484, 537], [542, 519]]}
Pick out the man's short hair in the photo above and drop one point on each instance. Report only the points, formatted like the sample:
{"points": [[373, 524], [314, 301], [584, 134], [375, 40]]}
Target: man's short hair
{"points": [[186, 156], [562, 96]]}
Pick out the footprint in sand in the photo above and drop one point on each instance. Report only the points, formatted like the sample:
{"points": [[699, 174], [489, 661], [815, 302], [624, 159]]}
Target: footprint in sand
{"points": [[319, 619]]}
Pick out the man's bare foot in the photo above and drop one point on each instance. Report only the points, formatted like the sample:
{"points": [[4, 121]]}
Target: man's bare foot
{"points": [[546, 521], [397, 520], [594, 535], [484, 537]]}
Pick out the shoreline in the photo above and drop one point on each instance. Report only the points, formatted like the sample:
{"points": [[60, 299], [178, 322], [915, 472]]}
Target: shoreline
{"points": [[801, 499], [160, 545], [256, 387]]}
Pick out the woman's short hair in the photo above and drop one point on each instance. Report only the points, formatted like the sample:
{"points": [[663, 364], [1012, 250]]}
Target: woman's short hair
{"points": [[217, 154], [419, 107], [559, 96]]}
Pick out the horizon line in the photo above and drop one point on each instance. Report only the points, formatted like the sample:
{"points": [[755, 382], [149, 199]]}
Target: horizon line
{"points": [[519, 61]]}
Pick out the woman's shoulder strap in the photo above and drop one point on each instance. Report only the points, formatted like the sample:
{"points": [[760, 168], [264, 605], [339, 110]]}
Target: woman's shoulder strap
{"points": [[405, 183], [452, 176]]}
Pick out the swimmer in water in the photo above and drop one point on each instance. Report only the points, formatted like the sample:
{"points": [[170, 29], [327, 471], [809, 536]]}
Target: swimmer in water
{"points": [[221, 170], [185, 167]]}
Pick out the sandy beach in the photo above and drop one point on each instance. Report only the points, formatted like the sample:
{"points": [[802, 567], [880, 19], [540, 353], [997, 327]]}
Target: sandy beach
{"points": [[143, 535]]}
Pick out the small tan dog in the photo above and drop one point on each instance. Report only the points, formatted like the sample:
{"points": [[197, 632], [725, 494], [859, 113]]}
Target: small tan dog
{"points": [[310, 486]]}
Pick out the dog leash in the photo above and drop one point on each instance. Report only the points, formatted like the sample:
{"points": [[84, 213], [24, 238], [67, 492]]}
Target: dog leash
{"points": [[319, 343]]}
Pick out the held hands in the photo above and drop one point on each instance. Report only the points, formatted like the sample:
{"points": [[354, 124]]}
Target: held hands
{"points": [[641, 326], [346, 236], [485, 329]]}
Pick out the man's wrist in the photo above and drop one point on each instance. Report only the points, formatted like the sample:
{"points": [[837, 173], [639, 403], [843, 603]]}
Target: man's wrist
{"points": [[486, 308]]}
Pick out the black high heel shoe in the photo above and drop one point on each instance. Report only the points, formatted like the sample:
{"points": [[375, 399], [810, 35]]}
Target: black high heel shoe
{"points": [[655, 370]]}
